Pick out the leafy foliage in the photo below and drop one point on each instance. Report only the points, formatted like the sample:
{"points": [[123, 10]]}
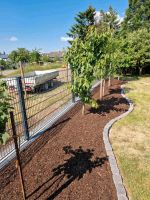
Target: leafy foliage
{"points": [[3, 63], [45, 58], [35, 56], [84, 57], [99, 50], [4, 111], [7, 64], [121, 58], [139, 48], [21, 54]]}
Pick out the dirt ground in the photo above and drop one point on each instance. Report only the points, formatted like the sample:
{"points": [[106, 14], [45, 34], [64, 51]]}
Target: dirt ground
{"points": [[69, 161]]}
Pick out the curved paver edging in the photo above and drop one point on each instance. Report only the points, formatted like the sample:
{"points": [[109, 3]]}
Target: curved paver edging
{"points": [[121, 192]]}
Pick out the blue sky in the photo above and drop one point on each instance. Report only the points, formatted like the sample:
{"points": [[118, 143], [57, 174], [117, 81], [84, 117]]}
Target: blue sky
{"points": [[42, 23]]}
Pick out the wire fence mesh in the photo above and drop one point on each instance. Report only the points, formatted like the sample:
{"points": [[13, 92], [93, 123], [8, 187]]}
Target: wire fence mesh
{"points": [[40, 96], [41, 104]]}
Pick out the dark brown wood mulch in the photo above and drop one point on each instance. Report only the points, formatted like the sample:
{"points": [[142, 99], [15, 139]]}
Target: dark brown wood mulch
{"points": [[69, 161]]}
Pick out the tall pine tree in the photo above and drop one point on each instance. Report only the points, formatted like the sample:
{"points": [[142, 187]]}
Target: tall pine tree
{"points": [[111, 19], [83, 21], [137, 15]]}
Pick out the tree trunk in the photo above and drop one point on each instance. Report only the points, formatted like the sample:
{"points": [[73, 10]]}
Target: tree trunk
{"points": [[83, 109], [101, 89], [104, 87], [109, 82], [140, 71]]}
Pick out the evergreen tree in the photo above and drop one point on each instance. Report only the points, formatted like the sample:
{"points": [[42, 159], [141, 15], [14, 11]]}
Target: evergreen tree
{"points": [[137, 15], [83, 21], [108, 21]]}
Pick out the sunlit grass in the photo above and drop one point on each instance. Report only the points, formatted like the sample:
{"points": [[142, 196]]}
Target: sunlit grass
{"points": [[130, 138], [30, 68]]}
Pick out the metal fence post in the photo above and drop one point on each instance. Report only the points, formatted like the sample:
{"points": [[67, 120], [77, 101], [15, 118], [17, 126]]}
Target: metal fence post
{"points": [[73, 96], [17, 154], [22, 108]]}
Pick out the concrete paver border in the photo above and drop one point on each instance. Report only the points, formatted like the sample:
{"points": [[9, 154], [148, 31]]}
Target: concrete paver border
{"points": [[118, 181]]}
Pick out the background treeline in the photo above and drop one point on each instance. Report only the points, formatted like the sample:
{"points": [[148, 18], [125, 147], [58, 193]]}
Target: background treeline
{"points": [[131, 36], [26, 56], [103, 46]]}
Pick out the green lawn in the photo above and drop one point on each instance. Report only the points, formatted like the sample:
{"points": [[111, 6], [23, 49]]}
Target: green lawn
{"points": [[130, 138]]}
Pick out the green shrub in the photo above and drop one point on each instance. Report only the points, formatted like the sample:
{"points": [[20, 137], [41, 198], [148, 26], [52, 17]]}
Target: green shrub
{"points": [[5, 107]]}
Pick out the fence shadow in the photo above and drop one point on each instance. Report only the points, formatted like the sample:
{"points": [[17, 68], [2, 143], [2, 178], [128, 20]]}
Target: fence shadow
{"points": [[113, 91], [9, 173], [79, 163]]}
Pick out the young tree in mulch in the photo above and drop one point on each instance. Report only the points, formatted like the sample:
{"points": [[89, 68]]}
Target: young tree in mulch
{"points": [[109, 23], [109, 57], [107, 63], [5, 107], [84, 57], [121, 57]]}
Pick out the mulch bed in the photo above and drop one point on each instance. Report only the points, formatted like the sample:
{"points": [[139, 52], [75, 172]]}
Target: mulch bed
{"points": [[69, 161]]}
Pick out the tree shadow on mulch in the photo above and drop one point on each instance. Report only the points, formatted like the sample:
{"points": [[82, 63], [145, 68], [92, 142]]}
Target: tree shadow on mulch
{"points": [[79, 163], [108, 105], [113, 91], [118, 91]]}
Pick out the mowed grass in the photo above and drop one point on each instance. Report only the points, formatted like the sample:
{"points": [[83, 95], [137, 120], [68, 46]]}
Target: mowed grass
{"points": [[130, 138]]}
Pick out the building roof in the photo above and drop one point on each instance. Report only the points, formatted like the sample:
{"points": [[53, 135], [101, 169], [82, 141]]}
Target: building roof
{"points": [[4, 56]]}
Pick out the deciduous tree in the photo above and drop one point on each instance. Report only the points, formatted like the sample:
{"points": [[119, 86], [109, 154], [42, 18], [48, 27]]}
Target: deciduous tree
{"points": [[84, 58], [139, 48], [21, 54], [35, 55]]}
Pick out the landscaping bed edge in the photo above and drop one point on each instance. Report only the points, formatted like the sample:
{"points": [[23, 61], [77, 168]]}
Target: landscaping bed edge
{"points": [[117, 178]]}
